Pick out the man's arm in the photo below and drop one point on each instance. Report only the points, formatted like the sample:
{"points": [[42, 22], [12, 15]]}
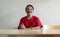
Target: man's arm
{"points": [[37, 27], [39, 24], [21, 24]]}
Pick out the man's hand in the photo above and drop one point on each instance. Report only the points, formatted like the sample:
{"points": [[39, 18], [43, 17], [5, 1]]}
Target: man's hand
{"points": [[36, 28], [22, 26]]}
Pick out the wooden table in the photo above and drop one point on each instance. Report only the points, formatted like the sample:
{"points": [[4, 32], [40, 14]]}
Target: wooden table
{"points": [[54, 31]]}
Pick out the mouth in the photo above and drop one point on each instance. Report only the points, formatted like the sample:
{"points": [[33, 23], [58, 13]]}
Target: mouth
{"points": [[29, 12]]}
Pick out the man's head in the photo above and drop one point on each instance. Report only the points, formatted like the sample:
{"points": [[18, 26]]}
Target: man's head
{"points": [[29, 9]]}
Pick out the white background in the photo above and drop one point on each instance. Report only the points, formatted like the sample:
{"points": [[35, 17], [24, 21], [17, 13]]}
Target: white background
{"points": [[11, 12]]}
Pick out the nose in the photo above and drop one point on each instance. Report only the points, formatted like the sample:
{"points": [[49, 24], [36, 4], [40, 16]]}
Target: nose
{"points": [[29, 10]]}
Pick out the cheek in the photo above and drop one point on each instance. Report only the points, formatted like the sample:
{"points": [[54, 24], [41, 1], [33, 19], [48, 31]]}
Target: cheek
{"points": [[26, 10]]}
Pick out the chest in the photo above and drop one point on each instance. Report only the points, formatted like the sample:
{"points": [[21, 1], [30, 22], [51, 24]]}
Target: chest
{"points": [[31, 22]]}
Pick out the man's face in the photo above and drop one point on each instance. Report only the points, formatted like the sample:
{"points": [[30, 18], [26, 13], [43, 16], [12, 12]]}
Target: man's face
{"points": [[29, 10]]}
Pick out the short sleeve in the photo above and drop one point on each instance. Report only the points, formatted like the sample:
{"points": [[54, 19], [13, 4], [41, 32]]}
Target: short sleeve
{"points": [[20, 23], [39, 24]]}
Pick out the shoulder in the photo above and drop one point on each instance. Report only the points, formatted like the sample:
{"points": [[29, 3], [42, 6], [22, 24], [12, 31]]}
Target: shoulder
{"points": [[36, 17], [23, 18]]}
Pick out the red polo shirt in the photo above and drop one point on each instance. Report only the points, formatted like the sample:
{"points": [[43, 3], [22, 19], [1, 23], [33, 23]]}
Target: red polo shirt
{"points": [[30, 23]]}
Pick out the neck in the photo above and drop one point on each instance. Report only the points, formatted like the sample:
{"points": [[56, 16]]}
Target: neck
{"points": [[29, 17]]}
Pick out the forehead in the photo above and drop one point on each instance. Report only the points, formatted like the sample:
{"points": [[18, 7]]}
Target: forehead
{"points": [[29, 7]]}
